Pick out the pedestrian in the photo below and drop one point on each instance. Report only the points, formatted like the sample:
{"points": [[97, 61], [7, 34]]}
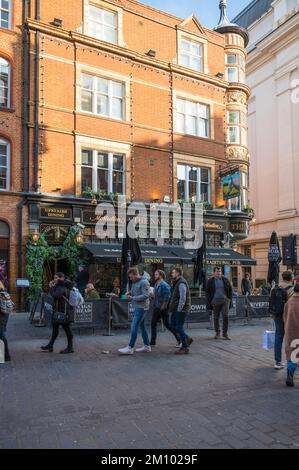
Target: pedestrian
{"points": [[162, 292], [219, 299], [246, 285], [91, 293], [179, 306], [60, 292], [82, 280], [280, 294], [291, 326], [6, 307], [139, 297]]}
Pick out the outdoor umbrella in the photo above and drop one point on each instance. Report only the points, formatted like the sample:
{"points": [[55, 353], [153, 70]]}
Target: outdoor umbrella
{"points": [[274, 258], [200, 262], [130, 256]]}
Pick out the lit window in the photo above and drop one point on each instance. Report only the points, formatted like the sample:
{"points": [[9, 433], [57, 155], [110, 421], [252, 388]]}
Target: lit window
{"points": [[194, 183], [4, 164], [5, 13], [4, 83], [192, 118], [102, 24], [102, 96], [191, 55], [237, 128], [102, 171]]}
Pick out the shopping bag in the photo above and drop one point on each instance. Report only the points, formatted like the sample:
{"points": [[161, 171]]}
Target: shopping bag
{"points": [[268, 340]]}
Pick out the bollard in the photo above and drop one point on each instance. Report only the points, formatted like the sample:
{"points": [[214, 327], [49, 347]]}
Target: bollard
{"points": [[2, 353]]}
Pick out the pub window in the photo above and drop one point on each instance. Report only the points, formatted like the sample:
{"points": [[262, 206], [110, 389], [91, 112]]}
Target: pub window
{"points": [[102, 24], [4, 83], [194, 183], [192, 118], [102, 171], [4, 164], [191, 55], [214, 239], [237, 204], [102, 96], [5, 13]]}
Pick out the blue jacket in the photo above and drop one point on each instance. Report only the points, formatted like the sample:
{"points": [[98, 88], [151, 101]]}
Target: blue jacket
{"points": [[162, 293]]}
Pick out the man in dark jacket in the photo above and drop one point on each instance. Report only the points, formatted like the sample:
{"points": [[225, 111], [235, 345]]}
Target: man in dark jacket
{"points": [[161, 301], [179, 306], [219, 296], [246, 285], [60, 292]]}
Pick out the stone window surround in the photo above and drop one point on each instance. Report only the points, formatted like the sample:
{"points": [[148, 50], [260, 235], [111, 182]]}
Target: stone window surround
{"points": [[109, 6], [195, 38]]}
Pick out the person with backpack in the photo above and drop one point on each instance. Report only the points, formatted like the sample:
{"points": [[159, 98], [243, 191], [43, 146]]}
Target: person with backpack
{"points": [[279, 296], [6, 308], [64, 297]]}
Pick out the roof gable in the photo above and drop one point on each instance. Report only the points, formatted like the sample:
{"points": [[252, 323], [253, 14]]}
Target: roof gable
{"points": [[192, 24]]}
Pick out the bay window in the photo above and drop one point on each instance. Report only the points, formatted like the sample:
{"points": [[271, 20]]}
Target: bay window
{"points": [[4, 164], [4, 83], [235, 68], [192, 118], [239, 203], [237, 127], [194, 183], [102, 171], [102, 96], [102, 24]]}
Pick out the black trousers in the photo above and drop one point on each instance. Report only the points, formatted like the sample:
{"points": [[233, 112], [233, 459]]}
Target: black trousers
{"points": [[68, 332], [6, 351], [221, 307], [164, 315]]}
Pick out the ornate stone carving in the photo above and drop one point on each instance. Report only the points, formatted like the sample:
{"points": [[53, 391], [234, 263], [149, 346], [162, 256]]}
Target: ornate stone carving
{"points": [[236, 97], [238, 153]]}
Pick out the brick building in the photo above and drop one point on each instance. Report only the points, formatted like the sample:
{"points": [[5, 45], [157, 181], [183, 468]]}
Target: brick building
{"points": [[123, 98]]}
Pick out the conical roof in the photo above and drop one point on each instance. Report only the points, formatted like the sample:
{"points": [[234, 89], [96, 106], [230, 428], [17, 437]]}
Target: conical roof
{"points": [[225, 26]]}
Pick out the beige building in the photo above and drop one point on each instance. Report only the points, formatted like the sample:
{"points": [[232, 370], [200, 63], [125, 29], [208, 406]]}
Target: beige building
{"points": [[273, 121]]}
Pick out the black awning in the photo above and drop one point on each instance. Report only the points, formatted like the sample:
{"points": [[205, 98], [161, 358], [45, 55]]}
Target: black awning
{"points": [[151, 254], [215, 256]]}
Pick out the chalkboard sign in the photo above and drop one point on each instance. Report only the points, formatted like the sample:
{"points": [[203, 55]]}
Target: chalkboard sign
{"points": [[84, 313]]}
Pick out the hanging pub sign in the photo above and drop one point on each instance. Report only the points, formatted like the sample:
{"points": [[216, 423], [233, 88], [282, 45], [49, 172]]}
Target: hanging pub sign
{"points": [[231, 185], [56, 212], [55, 234]]}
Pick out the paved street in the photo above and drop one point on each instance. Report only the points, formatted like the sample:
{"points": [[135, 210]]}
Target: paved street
{"points": [[223, 395]]}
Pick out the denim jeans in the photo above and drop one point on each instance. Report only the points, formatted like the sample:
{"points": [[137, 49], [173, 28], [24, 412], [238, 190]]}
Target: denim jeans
{"points": [[292, 366], [279, 335], [177, 321], [138, 320]]}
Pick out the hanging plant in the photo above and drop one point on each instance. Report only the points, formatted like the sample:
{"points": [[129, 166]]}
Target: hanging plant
{"points": [[38, 252]]}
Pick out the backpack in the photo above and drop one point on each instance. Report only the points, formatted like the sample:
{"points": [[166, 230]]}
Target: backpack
{"points": [[277, 302], [6, 304], [75, 298]]}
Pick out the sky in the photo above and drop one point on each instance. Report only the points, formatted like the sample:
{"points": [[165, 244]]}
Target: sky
{"points": [[207, 11]]}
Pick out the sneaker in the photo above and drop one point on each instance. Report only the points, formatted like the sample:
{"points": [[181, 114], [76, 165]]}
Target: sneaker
{"points": [[127, 350], [182, 351], [226, 337], [190, 340], [217, 336], [290, 380], [144, 349], [47, 348], [179, 345], [278, 365]]}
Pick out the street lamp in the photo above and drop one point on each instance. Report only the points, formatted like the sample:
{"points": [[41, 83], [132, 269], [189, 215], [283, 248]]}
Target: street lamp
{"points": [[35, 236], [79, 237]]}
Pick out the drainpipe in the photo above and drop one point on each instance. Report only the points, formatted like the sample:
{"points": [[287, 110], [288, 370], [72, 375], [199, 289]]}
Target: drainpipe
{"points": [[25, 106], [36, 109]]}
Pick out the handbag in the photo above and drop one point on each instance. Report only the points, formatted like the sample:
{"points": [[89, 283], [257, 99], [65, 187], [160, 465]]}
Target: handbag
{"points": [[60, 318]]}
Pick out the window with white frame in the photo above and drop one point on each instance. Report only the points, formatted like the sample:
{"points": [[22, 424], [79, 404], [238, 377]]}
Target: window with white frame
{"points": [[4, 83], [237, 127], [239, 203], [102, 171], [191, 54], [5, 13], [194, 183], [102, 96], [102, 24], [192, 118], [4, 164], [235, 68]]}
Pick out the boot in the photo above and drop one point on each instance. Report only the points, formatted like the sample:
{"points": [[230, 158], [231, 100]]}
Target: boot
{"points": [[47, 348], [290, 379], [7, 357], [68, 350]]}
